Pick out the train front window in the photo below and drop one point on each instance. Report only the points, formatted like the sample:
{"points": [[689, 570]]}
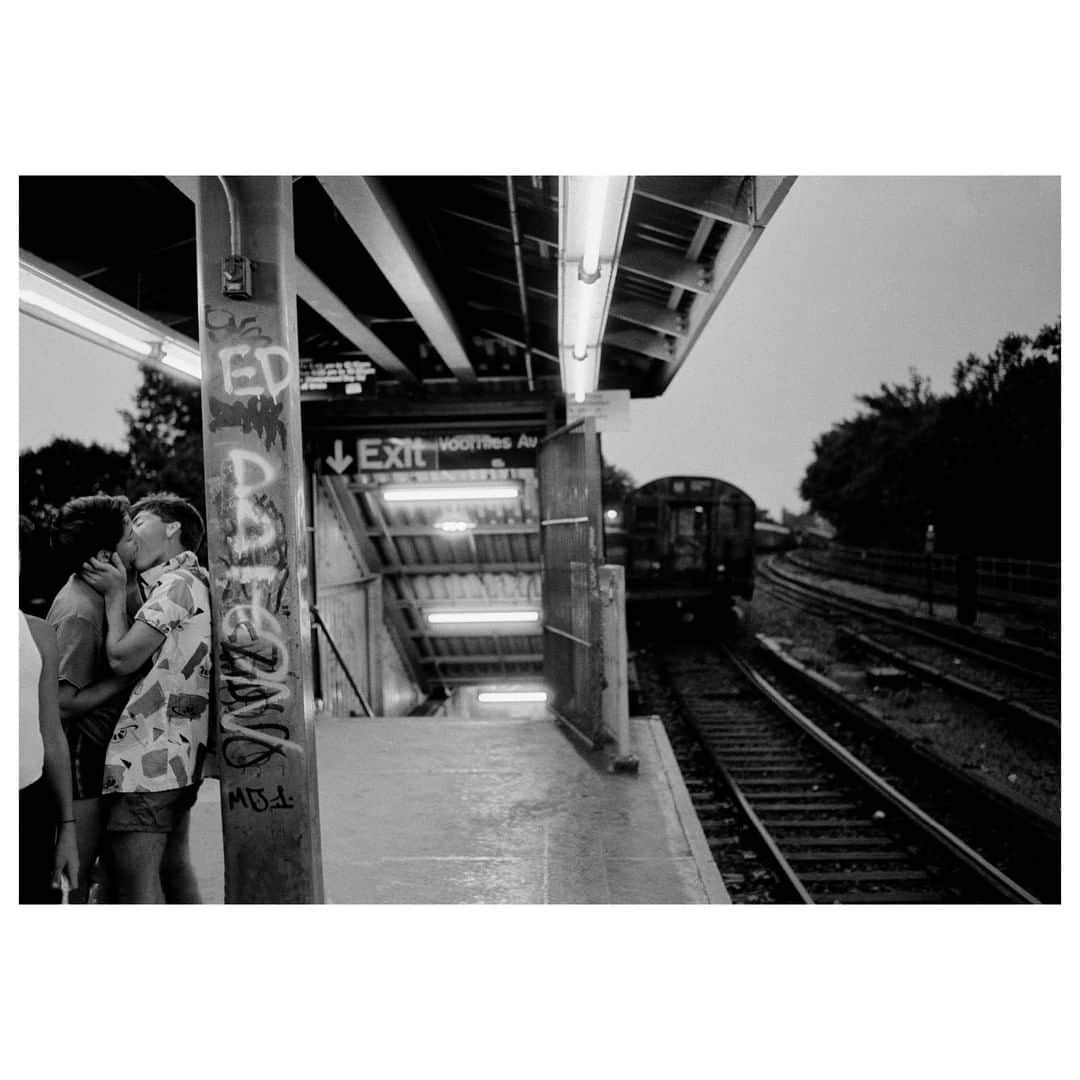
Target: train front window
{"points": [[688, 536]]}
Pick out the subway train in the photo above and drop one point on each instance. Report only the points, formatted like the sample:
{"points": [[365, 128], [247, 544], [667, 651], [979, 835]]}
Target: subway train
{"points": [[686, 542], [770, 537]]}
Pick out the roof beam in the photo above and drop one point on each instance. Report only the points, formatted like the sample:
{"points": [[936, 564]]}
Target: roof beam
{"points": [[321, 300], [517, 343], [642, 341], [370, 213], [653, 316], [767, 192], [528, 222], [727, 201], [533, 289], [668, 268], [493, 678]]}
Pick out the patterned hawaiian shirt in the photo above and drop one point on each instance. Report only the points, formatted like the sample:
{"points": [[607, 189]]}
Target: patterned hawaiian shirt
{"points": [[160, 739]]}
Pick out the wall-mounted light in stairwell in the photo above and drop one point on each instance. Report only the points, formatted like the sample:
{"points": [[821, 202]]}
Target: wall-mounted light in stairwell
{"points": [[508, 697], [450, 493], [476, 618]]}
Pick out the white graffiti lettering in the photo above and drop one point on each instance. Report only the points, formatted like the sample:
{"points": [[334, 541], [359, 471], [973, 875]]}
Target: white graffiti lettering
{"points": [[233, 373], [258, 666], [254, 530]]}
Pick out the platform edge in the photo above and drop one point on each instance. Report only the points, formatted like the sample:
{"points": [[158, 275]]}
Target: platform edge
{"points": [[711, 880]]}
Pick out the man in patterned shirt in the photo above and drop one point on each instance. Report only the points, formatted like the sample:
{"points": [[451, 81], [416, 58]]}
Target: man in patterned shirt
{"points": [[153, 766]]}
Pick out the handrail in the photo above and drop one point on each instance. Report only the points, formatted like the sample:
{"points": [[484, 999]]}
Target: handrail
{"points": [[341, 660]]}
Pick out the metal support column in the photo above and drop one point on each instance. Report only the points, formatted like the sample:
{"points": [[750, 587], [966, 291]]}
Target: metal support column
{"points": [[255, 494]]}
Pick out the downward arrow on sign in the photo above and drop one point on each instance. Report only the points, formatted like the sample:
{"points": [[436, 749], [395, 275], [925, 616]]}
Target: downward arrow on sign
{"points": [[338, 462]]}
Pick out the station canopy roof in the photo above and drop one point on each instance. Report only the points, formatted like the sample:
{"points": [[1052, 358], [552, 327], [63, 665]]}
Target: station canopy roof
{"points": [[444, 284], [478, 295]]}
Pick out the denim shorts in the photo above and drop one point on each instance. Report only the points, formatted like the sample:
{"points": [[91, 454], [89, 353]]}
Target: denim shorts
{"points": [[149, 811]]}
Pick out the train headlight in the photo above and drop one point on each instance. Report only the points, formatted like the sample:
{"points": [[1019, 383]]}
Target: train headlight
{"points": [[720, 567]]}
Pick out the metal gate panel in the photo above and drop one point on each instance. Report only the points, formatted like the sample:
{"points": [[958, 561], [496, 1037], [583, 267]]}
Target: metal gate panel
{"points": [[570, 537]]}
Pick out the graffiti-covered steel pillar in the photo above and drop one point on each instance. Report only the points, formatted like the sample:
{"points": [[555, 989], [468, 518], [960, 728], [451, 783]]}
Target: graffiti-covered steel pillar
{"points": [[255, 533]]}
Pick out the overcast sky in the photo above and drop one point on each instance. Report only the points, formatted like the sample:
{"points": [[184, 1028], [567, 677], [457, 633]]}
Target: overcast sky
{"points": [[855, 281]]}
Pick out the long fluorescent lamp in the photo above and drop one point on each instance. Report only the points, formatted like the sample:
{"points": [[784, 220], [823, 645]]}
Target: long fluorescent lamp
{"points": [[593, 211], [451, 618], [583, 376], [448, 492], [35, 303], [53, 296], [507, 696]]}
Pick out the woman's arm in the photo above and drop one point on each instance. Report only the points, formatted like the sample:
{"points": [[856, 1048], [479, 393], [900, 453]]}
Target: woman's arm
{"points": [[57, 762]]}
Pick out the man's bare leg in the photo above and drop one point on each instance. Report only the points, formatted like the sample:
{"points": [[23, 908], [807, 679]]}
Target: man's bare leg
{"points": [[136, 866], [178, 881]]}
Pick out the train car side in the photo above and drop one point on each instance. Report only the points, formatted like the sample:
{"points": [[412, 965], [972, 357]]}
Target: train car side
{"points": [[769, 537]]}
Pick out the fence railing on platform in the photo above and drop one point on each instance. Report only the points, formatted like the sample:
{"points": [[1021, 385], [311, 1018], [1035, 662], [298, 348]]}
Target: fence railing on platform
{"points": [[1023, 579]]}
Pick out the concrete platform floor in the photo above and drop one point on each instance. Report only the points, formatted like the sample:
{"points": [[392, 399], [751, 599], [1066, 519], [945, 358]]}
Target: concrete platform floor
{"points": [[419, 810]]}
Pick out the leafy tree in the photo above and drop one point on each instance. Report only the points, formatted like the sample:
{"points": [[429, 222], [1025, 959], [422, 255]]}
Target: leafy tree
{"points": [[1001, 432], [64, 469], [48, 477], [982, 464], [869, 473], [615, 485], [164, 433]]}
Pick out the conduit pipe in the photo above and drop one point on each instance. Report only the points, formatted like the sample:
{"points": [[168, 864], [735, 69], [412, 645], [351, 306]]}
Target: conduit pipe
{"points": [[234, 218]]}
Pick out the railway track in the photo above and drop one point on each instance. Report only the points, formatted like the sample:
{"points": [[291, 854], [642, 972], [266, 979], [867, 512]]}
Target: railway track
{"points": [[830, 828], [1037, 620], [1026, 656], [1013, 682]]}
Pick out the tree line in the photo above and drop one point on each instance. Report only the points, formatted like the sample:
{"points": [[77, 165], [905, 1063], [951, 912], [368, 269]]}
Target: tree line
{"points": [[982, 464]]}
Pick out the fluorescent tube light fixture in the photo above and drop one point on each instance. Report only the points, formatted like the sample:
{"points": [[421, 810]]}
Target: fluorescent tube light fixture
{"points": [[35, 303], [463, 618], [592, 220], [396, 493], [181, 359], [507, 696], [61, 300], [589, 269]]}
